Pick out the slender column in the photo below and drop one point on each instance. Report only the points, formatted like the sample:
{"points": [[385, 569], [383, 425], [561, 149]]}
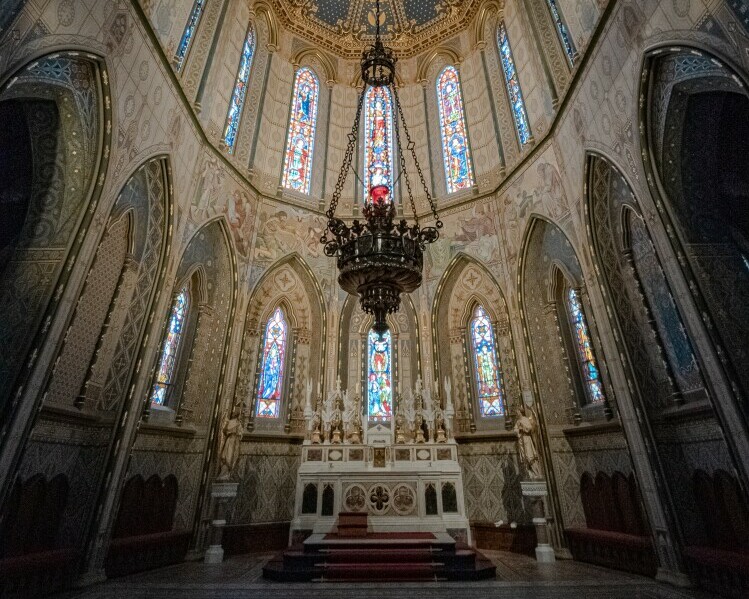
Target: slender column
{"points": [[211, 53]]}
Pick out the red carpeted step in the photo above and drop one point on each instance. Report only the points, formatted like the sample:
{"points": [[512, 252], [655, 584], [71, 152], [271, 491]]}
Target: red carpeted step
{"points": [[364, 556], [379, 572]]}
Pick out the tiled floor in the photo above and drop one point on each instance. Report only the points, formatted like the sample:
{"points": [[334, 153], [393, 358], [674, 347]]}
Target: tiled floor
{"points": [[518, 577]]}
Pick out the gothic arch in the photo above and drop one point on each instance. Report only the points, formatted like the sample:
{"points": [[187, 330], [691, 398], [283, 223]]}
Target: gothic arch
{"points": [[694, 109], [289, 282], [466, 283], [662, 369], [353, 338]]}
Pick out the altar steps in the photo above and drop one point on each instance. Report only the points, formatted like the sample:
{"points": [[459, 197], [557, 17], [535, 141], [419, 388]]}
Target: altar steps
{"points": [[378, 559]]}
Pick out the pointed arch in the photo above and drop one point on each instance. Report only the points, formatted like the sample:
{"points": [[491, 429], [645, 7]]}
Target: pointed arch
{"points": [[291, 285], [465, 286]]}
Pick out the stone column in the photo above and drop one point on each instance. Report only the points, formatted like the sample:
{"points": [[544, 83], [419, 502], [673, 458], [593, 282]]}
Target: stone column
{"points": [[535, 491], [222, 492]]}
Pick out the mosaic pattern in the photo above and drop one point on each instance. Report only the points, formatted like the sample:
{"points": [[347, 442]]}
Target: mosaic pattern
{"points": [[486, 366], [271, 371], [189, 34], [379, 379], [564, 34], [513, 86], [168, 358], [378, 143], [456, 154], [297, 167], [240, 90], [591, 375]]}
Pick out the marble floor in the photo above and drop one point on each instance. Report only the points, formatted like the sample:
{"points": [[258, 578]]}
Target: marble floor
{"points": [[518, 577]]}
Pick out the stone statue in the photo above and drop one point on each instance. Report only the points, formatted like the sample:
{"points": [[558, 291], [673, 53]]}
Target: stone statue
{"points": [[439, 426], [525, 427], [231, 440]]}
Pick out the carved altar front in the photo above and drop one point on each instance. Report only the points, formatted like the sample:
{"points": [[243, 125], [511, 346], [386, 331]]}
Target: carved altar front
{"points": [[403, 472]]}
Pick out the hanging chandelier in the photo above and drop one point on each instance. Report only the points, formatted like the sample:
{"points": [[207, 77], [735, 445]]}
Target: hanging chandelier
{"points": [[379, 259]]}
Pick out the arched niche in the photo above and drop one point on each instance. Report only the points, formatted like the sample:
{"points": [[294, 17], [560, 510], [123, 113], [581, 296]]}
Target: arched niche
{"points": [[465, 285], [290, 284], [663, 372], [353, 347], [207, 270], [76, 430], [695, 124], [55, 118]]}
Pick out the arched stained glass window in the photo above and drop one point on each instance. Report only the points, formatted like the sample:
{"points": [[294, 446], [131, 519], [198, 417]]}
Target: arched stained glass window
{"points": [[513, 86], [379, 377], [591, 375], [170, 349], [240, 90], [564, 34], [486, 365], [188, 34], [270, 383], [456, 154], [300, 145], [378, 143]]}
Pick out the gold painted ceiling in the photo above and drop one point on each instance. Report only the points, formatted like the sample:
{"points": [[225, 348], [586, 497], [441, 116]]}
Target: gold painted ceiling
{"points": [[344, 27]]}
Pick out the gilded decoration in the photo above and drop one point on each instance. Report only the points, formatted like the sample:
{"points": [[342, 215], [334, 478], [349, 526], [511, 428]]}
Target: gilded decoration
{"points": [[345, 26]]}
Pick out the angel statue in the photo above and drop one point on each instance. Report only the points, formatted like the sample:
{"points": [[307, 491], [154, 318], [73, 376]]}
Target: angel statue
{"points": [[525, 427], [229, 443]]}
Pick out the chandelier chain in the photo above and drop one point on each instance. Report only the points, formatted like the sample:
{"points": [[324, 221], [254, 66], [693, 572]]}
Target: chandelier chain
{"points": [[347, 159], [412, 148], [402, 160]]}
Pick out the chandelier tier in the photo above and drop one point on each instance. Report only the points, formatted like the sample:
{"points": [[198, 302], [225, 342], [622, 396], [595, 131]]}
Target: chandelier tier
{"points": [[379, 259]]}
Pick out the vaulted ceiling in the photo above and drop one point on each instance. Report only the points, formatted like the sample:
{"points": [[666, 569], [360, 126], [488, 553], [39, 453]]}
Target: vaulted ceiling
{"points": [[345, 26]]}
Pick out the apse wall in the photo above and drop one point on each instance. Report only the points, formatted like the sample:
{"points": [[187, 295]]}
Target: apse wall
{"points": [[154, 115]]}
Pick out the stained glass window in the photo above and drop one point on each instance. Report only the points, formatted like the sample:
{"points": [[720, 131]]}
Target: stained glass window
{"points": [[564, 34], [240, 90], [513, 86], [270, 384], [591, 375], [455, 152], [297, 167], [379, 381], [189, 33], [486, 365], [378, 143], [168, 359]]}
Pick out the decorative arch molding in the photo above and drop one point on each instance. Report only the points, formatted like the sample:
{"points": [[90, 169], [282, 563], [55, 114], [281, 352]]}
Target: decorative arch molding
{"points": [[662, 371], [291, 283], [489, 11], [672, 74], [465, 284], [317, 61], [263, 9], [52, 234], [434, 61]]}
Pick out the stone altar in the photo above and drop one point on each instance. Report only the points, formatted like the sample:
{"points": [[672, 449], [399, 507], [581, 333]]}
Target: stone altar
{"points": [[403, 472]]}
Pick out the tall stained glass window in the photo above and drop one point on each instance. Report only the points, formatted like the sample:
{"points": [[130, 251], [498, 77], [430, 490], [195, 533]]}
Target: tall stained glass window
{"points": [[591, 375], [513, 86], [486, 365], [297, 166], [188, 34], [240, 90], [455, 152], [270, 384], [379, 380], [564, 34], [170, 349], [378, 143]]}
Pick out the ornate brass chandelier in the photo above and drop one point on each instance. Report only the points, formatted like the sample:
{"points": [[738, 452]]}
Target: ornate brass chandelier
{"points": [[379, 259]]}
